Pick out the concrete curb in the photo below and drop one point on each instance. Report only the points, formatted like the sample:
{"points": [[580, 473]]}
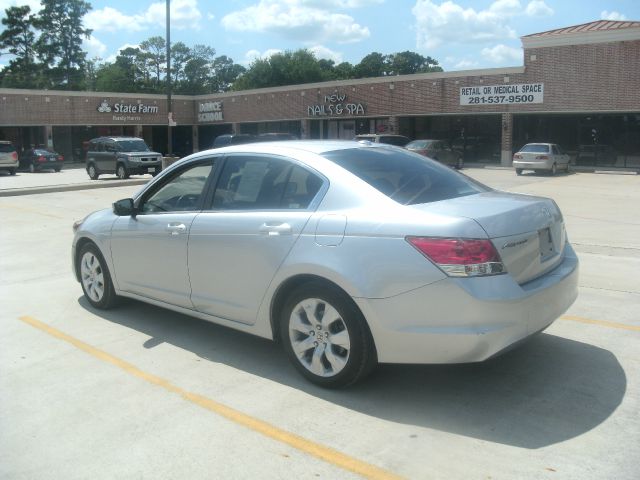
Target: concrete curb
{"points": [[13, 192]]}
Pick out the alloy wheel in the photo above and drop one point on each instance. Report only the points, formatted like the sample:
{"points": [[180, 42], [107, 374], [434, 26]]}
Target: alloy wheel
{"points": [[319, 337], [92, 276]]}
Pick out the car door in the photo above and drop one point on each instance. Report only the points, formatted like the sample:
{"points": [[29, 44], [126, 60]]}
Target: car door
{"points": [[149, 250], [260, 206], [107, 157], [562, 157]]}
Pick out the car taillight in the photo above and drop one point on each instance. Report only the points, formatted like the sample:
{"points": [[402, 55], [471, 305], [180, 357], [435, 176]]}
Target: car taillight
{"points": [[41, 159], [14, 155], [61, 157], [517, 156], [542, 157], [460, 257]]}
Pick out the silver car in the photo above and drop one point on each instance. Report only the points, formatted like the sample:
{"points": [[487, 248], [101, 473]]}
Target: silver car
{"points": [[548, 157], [349, 254], [8, 157]]}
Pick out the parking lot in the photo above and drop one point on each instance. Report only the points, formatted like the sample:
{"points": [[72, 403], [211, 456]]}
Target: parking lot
{"points": [[141, 392]]}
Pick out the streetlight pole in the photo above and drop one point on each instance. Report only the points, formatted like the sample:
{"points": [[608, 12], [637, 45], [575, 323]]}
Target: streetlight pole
{"points": [[169, 112]]}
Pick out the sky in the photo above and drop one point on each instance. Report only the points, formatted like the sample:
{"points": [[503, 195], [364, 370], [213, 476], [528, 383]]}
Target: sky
{"points": [[459, 34]]}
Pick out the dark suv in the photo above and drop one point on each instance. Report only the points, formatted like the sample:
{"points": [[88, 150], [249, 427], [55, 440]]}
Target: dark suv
{"points": [[123, 156]]}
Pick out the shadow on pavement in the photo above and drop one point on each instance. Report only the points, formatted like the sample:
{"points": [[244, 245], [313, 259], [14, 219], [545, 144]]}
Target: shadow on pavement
{"points": [[549, 390]]}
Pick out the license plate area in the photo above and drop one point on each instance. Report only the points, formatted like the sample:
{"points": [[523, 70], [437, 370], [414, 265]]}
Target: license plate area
{"points": [[545, 241], [151, 169]]}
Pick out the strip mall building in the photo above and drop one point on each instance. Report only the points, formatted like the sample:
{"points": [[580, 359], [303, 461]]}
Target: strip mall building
{"points": [[579, 87]]}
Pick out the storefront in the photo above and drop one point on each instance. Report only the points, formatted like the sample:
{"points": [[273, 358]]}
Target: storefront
{"points": [[578, 87]]}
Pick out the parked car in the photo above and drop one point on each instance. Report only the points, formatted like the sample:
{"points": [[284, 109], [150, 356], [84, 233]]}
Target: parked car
{"points": [[37, 159], [592, 155], [347, 253], [123, 156], [8, 157], [233, 139], [272, 137], [437, 150], [547, 157], [397, 140]]}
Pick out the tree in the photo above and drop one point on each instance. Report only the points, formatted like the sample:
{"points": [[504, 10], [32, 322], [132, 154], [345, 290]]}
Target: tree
{"points": [[405, 63], [198, 71], [59, 45], [17, 39], [372, 65], [225, 73], [153, 53]]}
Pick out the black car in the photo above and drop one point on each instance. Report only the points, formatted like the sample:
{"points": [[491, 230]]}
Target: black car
{"points": [[37, 159], [233, 139]]}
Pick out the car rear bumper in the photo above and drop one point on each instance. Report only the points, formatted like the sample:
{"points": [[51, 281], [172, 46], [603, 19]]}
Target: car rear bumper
{"points": [[533, 165], [468, 320]]}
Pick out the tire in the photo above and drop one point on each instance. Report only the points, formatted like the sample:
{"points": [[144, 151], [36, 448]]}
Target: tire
{"points": [[568, 168], [554, 169], [95, 278], [121, 172], [58, 169], [32, 168], [12, 171], [93, 172], [518, 171], [334, 354]]}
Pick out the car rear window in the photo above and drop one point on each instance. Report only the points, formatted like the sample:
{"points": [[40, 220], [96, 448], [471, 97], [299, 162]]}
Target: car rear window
{"points": [[403, 176], [6, 148], [398, 141], [535, 148], [132, 146]]}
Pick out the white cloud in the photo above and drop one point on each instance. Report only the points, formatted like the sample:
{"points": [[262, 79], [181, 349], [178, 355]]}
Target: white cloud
{"points": [[302, 20], [502, 53], [112, 58], [613, 15], [253, 55], [451, 23], [322, 52], [465, 65], [537, 8], [33, 4], [184, 15], [210, 16], [94, 47]]}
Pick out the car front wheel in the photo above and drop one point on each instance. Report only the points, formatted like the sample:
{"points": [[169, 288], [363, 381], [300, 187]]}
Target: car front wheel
{"points": [[326, 337], [122, 172], [93, 172], [95, 279], [518, 171]]}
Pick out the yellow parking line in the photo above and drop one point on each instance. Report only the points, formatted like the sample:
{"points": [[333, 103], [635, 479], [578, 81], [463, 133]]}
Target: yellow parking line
{"points": [[322, 452], [602, 323]]}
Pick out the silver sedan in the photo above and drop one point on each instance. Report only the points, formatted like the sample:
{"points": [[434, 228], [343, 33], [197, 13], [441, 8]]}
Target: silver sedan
{"points": [[349, 254]]}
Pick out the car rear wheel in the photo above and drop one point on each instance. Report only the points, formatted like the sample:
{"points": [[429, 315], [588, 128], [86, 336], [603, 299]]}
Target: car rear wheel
{"points": [[122, 172], [95, 279], [554, 169], [93, 172], [518, 171], [326, 337], [57, 169], [12, 171]]}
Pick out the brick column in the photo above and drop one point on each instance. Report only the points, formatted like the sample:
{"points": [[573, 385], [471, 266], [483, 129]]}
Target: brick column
{"points": [[194, 139], [393, 125], [235, 128], [305, 128], [506, 154]]}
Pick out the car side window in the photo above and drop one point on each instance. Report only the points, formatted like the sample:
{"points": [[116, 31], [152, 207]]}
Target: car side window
{"points": [[181, 193], [110, 146], [263, 183]]}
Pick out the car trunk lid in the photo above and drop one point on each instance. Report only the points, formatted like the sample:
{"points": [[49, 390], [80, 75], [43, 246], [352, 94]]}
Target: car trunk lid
{"points": [[528, 232]]}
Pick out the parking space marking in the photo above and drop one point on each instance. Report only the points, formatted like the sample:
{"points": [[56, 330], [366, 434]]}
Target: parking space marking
{"points": [[602, 323], [317, 450]]}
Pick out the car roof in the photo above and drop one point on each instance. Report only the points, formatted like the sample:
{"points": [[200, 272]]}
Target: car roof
{"points": [[117, 138], [5, 142]]}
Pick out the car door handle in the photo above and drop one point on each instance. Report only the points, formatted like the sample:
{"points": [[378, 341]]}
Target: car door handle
{"points": [[272, 229], [176, 228]]}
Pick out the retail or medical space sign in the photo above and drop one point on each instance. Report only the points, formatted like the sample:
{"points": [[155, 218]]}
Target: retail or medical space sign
{"points": [[516, 94]]}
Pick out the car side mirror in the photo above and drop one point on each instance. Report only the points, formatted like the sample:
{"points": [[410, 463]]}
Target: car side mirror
{"points": [[124, 207]]}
